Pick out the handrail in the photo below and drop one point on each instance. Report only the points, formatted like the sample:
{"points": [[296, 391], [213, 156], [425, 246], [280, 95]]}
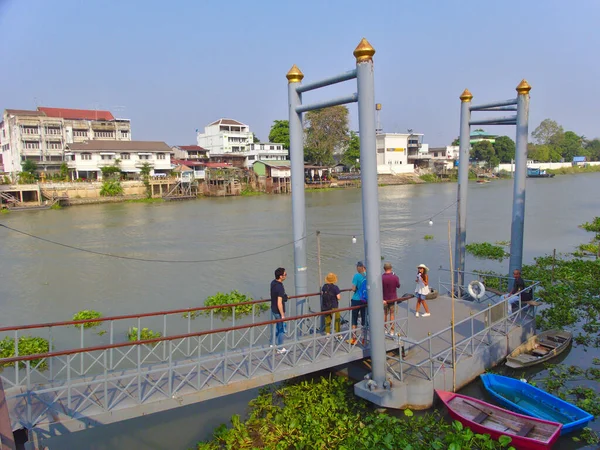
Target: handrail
{"points": [[181, 336], [152, 314]]}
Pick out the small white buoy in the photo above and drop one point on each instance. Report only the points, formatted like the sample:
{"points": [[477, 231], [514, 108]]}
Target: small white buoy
{"points": [[523, 380], [354, 239]]}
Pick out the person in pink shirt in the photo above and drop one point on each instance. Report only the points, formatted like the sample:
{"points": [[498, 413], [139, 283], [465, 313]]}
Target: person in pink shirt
{"points": [[390, 284]]}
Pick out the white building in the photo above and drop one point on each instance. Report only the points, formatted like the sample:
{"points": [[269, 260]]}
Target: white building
{"points": [[86, 159], [394, 152], [265, 152], [42, 135], [225, 136], [190, 152]]}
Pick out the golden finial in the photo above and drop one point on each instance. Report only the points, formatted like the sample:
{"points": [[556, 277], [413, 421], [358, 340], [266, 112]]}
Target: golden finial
{"points": [[295, 75], [523, 87], [466, 96], [364, 51]]}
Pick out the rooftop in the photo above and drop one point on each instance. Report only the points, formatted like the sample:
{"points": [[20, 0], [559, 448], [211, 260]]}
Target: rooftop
{"points": [[227, 122], [191, 147], [132, 146], [281, 164], [85, 114], [481, 133], [23, 112]]}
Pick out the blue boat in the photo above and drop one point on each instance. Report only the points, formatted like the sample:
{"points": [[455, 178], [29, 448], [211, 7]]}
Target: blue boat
{"points": [[526, 399]]}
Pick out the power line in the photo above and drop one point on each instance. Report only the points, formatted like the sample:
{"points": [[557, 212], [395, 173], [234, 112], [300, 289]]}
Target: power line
{"points": [[132, 258]]}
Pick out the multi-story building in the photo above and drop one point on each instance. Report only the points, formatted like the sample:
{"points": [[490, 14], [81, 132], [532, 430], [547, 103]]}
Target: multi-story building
{"points": [[42, 135], [399, 152], [86, 159], [228, 140], [225, 136]]}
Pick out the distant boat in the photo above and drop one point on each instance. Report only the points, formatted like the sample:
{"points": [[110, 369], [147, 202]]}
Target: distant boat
{"points": [[538, 173], [483, 181], [539, 348], [527, 433], [526, 399]]}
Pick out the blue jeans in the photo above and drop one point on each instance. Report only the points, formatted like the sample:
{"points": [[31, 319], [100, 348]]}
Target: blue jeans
{"points": [[279, 330]]}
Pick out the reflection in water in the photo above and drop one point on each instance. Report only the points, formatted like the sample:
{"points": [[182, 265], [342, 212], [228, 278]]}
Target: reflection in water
{"points": [[44, 282]]}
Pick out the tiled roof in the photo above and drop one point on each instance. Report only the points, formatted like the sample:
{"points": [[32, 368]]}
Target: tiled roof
{"points": [[85, 114], [191, 147], [24, 112], [184, 162], [227, 122], [278, 164], [132, 146], [215, 165]]}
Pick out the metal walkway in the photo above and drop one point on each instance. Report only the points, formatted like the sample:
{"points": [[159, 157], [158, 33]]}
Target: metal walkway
{"points": [[108, 379]]}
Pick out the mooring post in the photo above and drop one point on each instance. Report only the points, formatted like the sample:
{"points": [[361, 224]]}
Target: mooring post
{"points": [[463, 181], [294, 77], [518, 212], [370, 207]]}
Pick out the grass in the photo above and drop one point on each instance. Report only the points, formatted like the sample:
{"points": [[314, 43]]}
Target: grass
{"points": [[574, 169]]}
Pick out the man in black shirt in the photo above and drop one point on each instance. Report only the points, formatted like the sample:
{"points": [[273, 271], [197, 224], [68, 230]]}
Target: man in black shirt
{"points": [[278, 300], [518, 286]]}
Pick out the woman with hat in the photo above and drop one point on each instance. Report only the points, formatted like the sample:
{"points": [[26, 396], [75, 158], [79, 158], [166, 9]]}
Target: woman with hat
{"points": [[330, 297], [422, 289]]}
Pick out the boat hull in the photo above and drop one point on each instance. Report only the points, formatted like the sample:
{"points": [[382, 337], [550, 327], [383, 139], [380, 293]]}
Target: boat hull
{"points": [[498, 422], [552, 343], [526, 399]]}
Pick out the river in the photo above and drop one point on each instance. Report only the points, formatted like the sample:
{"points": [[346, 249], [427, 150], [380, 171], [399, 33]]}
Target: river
{"points": [[42, 282]]}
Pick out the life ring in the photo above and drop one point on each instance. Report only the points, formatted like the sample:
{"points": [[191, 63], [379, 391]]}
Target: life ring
{"points": [[480, 289]]}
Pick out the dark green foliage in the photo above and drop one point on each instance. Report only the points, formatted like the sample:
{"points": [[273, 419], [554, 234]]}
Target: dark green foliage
{"points": [[230, 298], [28, 345], [325, 414], [486, 250], [111, 188], [85, 315], [352, 153], [280, 133]]}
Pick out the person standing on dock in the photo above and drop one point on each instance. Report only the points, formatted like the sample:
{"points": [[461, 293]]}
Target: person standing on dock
{"points": [[278, 301], [330, 298], [422, 289], [357, 281], [390, 283]]}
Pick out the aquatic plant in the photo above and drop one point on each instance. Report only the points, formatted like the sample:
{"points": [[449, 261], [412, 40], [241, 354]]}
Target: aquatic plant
{"points": [[232, 298], [145, 334], [428, 237], [485, 250], [85, 315], [325, 414], [27, 345]]}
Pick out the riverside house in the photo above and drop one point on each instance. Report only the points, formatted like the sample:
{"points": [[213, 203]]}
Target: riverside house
{"points": [[86, 159]]}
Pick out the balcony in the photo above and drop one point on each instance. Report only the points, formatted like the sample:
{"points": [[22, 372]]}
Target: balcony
{"points": [[419, 156], [106, 163]]}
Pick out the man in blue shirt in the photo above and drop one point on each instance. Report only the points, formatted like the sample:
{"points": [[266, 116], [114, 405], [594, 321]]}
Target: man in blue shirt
{"points": [[359, 276], [278, 301]]}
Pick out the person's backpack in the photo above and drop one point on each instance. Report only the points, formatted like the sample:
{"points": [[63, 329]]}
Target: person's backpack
{"points": [[328, 298], [363, 293]]}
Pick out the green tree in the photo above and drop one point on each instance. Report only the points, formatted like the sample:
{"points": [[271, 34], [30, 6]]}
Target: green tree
{"points": [[483, 151], [326, 130], [29, 166], [593, 149], [571, 145], [64, 171], [145, 176], [548, 133], [352, 152], [255, 139], [505, 149], [280, 133], [456, 142]]}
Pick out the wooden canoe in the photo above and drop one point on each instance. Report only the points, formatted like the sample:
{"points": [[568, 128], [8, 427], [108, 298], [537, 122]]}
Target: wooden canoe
{"points": [[524, 398], [527, 433], [539, 348]]}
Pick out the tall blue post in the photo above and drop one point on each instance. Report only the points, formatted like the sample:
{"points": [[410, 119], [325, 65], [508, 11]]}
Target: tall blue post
{"points": [[518, 212], [463, 181], [370, 208], [294, 77]]}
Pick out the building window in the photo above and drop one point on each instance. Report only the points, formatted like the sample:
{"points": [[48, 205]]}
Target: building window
{"points": [[251, 158], [104, 134], [86, 156], [52, 130], [80, 133], [31, 144], [145, 157], [107, 157], [160, 156], [125, 156], [124, 133], [53, 145], [435, 154], [30, 130]]}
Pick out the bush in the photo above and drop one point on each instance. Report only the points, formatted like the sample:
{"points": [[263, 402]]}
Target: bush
{"points": [[85, 315], [28, 345], [111, 188], [429, 178], [428, 237], [233, 297], [485, 250]]}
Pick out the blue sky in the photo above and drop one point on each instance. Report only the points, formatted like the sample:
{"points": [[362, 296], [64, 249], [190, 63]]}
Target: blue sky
{"points": [[172, 67]]}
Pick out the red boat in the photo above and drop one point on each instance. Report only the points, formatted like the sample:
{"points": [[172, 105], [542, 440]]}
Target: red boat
{"points": [[527, 433]]}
